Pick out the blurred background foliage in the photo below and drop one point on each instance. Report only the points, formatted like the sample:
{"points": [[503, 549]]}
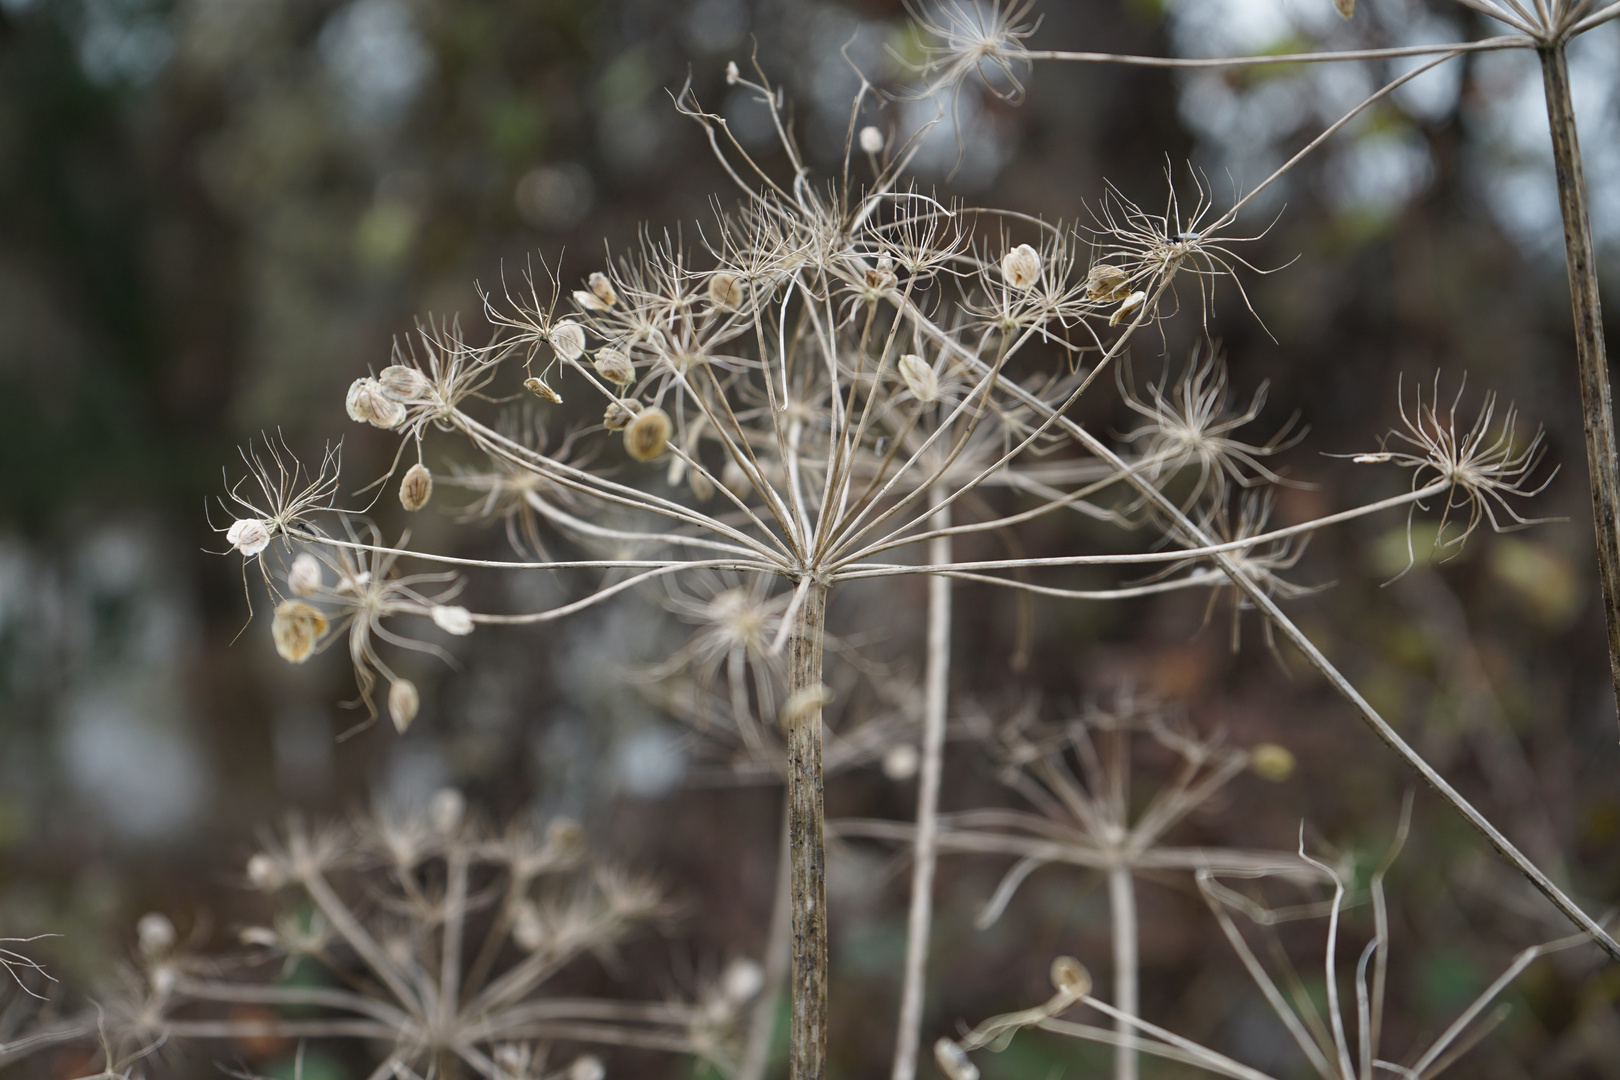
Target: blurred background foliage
{"points": [[214, 214]]}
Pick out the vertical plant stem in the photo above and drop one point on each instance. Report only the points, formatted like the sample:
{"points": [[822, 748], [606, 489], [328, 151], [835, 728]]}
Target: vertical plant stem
{"points": [[806, 842], [1122, 909], [936, 701], [778, 954], [1597, 408]]}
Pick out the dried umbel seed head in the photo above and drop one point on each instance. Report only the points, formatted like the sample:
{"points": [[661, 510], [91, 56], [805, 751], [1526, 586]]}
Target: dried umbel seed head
{"points": [[1105, 283], [871, 139], [367, 404], [647, 436], [304, 579], [725, 290], [618, 414], [1021, 267], [602, 288], [403, 702], [614, 366], [539, 389], [248, 535], [445, 810], [1126, 306], [263, 872], [900, 761], [155, 933], [453, 619], [919, 378], [1273, 762], [1070, 977], [403, 383], [953, 1061], [568, 339], [587, 1067], [296, 628], [881, 277], [416, 488]]}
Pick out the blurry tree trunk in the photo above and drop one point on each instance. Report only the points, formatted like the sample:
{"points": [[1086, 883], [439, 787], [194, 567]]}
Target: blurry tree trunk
{"points": [[802, 714], [1596, 406]]}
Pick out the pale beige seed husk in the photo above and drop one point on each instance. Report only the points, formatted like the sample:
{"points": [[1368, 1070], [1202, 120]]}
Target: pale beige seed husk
{"points": [[1126, 306], [248, 535], [919, 378], [1273, 762], [1069, 976], [403, 702], [587, 301], [614, 366], [725, 290], [1346, 8], [702, 487], [296, 629], [954, 1062], [618, 414], [1106, 283], [401, 382], [539, 389], [603, 288], [366, 403], [568, 339], [416, 488], [881, 277], [871, 140], [1021, 267], [647, 436], [304, 579]]}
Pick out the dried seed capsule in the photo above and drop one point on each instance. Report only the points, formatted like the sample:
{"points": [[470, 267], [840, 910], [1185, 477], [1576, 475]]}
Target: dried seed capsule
{"points": [[735, 479], [587, 1067], [155, 933], [539, 389], [416, 488], [401, 382], [263, 873], [304, 579], [445, 810], [953, 1061], [1106, 283], [881, 276], [725, 290], [603, 288], [403, 701], [248, 535], [619, 413], [900, 761], [453, 619], [367, 404], [647, 436], [742, 980], [587, 301], [614, 366], [1275, 763], [1126, 306], [732, 74], [1021, 267], [261, 936], [1070, 977], [568, 339], [702, 487], [296, 628], [1346, 8], [919, 378], [527, 928], [871, 139]]}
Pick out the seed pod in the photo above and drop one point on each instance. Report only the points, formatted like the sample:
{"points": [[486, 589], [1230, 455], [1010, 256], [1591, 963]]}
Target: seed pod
{"points": [[263, 873], [742, 980], [403, 701], [900, 761], [261, 936], [919, 378], [453, 619], [248, 535], [1106, 283], [953, 1061], [445, 810], [871, 139], [1345, 8], [568, 339], [416, 488], [155, 933], [1126, 306], [295, 629], [735, 479], [587, 301], [527, 928], [1070, 977], [732, 75], [400, 382], [603, 288], [620, 413], [647, 436], [1021, 267], [725, 290], [304, 579], [614, 366], [367, 404], [702, 487], [881, 276], [1273, 762], [539, 389], [587, 1067]]}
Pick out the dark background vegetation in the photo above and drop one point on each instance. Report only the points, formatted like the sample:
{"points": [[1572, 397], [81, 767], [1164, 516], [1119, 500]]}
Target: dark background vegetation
{"points": [[214, 214]]}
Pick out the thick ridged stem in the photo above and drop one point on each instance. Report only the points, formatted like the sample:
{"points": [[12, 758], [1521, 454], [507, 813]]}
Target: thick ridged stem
{"points": [[936, 702], [806, 818], [1122, 911], [1597, 409]]}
